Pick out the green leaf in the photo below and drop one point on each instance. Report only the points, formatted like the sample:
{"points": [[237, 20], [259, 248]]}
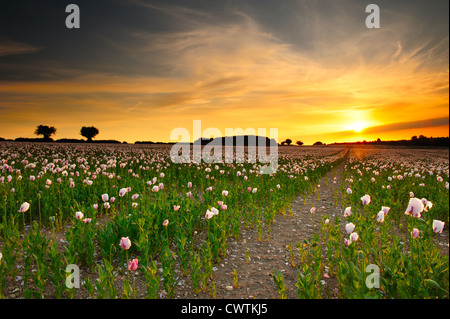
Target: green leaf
{"points": [[431, 283], [126, 289]]}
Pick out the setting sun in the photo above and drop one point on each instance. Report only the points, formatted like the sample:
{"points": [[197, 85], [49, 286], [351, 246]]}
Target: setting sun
{"points": [[358, 126]]}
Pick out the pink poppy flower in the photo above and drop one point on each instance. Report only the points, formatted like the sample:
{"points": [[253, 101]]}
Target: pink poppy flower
{"points": [[349, 228], [380, 216], [365, 200], [354, 237], [125, 243], [133, 265], [415, 207], [348, 212], [438, 226], [24, 207], [415, 233], [209, 214]]}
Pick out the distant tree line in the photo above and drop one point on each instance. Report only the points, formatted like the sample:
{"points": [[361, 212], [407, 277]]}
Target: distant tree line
{"points": [[89, 132], [63, 140], [46, 131], [288, 142], [421, 140], [150, 142]]}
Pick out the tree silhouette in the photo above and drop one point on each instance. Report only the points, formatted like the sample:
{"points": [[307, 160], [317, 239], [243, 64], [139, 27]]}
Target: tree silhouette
{"points": [[299, 143], [45, 131], [318, 143], [89, 132], [288, 141]]}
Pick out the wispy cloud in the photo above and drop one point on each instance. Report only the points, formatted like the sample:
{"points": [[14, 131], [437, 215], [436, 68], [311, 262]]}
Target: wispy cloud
{"points": [[301, 66], [173, 10], [408, 125], [10, 47]]}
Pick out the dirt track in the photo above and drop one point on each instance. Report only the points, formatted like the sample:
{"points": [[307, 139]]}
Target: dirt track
{"points": [[255, 277]]}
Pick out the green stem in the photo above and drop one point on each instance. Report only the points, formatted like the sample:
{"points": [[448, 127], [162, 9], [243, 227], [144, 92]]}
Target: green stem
{"points": [[126, 266], [167, 236], [411, 246], [134, 287], [39, 210], [5, 221]]}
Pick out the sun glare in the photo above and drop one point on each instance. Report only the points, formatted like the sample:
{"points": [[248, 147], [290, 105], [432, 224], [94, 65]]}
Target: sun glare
{"points": [[358, 126]]}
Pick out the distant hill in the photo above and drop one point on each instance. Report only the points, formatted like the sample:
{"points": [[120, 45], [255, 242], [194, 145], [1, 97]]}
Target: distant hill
{"points": [[240, 140]]}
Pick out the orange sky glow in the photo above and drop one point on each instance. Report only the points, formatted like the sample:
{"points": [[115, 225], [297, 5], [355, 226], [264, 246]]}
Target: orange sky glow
{"points": [[349, 84]]}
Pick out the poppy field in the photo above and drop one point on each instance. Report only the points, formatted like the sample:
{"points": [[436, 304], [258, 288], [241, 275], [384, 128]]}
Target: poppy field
{"points": [[127, 222]]}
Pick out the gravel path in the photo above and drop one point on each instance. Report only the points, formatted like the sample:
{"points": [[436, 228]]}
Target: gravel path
{"points": [[268, 256]]}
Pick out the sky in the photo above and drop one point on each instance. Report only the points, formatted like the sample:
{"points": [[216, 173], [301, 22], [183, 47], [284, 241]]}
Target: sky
{"points": [[138, 69]]}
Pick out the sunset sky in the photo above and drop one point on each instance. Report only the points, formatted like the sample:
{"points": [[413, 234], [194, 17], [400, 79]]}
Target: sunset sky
{"points": [[137, 69]]}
